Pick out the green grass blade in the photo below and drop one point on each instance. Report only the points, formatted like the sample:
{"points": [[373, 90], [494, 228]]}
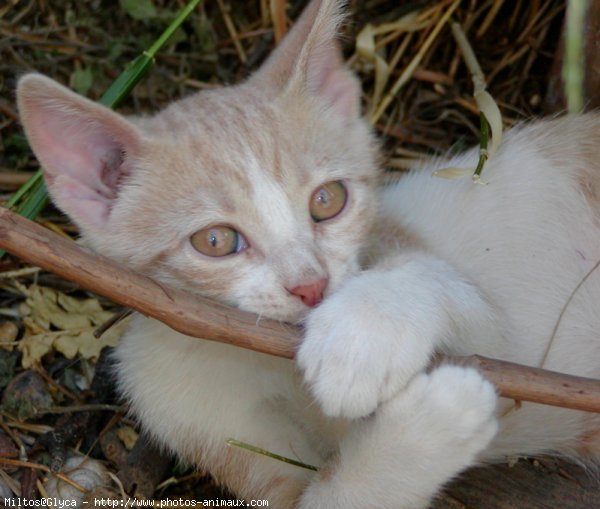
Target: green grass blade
{"points": [[36, 201], [128, 79], [166, 35], [269, 454], [137, 69], [34, 179], [573, 72]]}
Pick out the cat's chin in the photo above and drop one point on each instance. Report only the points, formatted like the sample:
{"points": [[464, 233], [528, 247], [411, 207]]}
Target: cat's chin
{"points": [[294, 318], [293, 314]]}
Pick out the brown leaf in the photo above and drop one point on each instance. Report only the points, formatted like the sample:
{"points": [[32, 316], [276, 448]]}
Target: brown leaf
{"points": [[76, 319]]}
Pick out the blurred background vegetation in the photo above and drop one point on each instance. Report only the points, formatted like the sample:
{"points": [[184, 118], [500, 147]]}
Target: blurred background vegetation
{"points": [[87, 44]]}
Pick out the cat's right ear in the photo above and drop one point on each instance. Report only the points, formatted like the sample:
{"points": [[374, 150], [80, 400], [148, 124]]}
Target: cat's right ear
{"points": [[309, 61], [82, 146]]}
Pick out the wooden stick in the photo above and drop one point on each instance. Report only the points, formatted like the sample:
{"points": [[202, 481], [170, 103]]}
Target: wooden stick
{"points": [[182, 311], [203, 318]]}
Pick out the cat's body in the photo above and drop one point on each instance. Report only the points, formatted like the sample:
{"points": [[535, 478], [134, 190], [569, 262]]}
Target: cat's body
{"points": [[453, 267]]}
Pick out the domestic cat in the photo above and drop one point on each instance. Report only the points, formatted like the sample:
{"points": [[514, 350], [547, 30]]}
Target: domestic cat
{"points": [[265, 196]]}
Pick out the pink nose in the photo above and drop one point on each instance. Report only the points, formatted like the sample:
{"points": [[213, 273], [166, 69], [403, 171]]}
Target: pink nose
{"points": [[312, 293]]}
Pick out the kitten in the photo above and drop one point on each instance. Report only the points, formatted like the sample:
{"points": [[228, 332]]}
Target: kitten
{"points": [[263, 195]]}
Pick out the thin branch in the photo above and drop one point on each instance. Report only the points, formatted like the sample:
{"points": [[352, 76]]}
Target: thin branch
{"points": [[203, 318], [563, 311]]}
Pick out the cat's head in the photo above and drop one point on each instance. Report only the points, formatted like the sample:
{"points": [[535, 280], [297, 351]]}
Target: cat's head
{"points": [[259, 195]]}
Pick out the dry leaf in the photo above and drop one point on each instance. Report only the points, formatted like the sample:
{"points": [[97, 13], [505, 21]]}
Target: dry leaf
{"points": [[63, 323], [366, 47], [128, 436], [8, 334], [489, 108], [34, 347]]}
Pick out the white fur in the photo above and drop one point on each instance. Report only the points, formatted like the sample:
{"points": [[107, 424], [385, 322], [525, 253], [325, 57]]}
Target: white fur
{"points": [[393, 458]]}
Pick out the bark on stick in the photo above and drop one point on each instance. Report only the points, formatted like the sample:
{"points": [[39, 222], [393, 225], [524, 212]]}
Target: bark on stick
{"points": [[203, 318]]}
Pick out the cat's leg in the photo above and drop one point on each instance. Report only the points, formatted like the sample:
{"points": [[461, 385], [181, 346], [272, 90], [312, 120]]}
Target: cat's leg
{"points": [[368, 339], [194, 395], [415, 442]]}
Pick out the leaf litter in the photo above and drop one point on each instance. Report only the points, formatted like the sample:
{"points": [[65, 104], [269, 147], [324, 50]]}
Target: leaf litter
{"points": [[54, 321]]}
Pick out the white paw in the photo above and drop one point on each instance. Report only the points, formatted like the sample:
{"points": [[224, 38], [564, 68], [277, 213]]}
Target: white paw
{"points": [[364, 343], [413, 444], [453, 413]]}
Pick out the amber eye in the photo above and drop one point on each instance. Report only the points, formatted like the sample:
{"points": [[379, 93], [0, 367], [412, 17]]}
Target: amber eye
{"points": [[328, 201], [218, 240]]}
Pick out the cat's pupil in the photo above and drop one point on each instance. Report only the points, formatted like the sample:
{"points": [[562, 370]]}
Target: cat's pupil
{"points": [[324, 198], [222, 237]]}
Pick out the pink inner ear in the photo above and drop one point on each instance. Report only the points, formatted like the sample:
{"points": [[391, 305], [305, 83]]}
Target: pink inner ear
{"points": [[81, 147], [340, 91], [80, 201], [327, 77]]}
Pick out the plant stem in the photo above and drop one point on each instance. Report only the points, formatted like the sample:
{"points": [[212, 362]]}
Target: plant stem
{"points": [[572, 71], [484, 129], [269, 454], [139, 67], [490, 119]]}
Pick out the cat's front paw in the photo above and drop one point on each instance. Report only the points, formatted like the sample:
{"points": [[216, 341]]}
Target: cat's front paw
{"points": [[412, 445], [363, 344], [451, 410]]}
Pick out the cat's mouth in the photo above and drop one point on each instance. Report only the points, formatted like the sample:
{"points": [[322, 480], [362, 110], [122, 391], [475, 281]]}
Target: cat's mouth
{"points": [[287, 308], [295, 314]]}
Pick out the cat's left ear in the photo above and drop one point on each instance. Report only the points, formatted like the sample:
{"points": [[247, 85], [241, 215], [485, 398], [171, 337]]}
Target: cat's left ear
{"points": [[309, 60], [83, 147]]}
